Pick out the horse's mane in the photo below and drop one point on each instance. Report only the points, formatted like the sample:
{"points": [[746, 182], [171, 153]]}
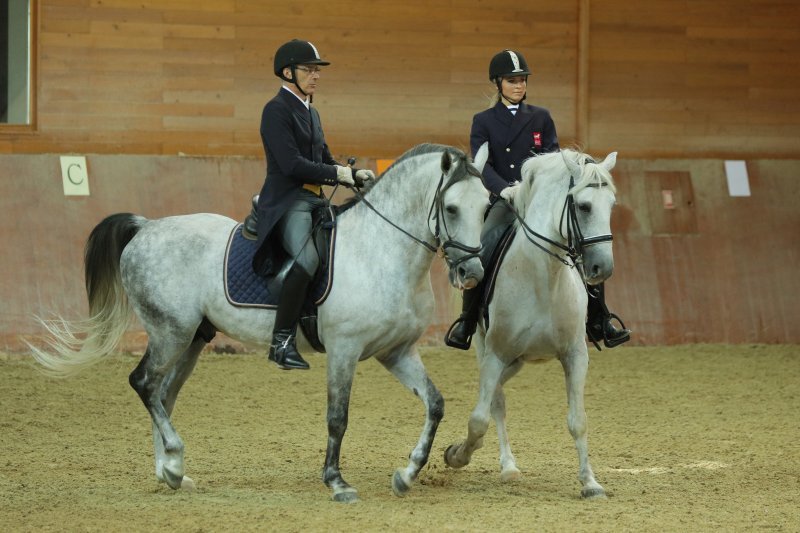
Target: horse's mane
{"points": [[553, 165], [420, 149]]}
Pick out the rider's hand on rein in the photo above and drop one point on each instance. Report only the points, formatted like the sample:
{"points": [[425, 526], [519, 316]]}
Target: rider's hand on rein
{"points": [[344, 175], [510, 192], [364, 175]]}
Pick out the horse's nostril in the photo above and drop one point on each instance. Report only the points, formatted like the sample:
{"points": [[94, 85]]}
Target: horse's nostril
{"points": [[462, 272]]}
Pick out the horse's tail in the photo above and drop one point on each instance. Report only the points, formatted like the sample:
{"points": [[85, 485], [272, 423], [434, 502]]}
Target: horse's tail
{"points": [[75, 345]]}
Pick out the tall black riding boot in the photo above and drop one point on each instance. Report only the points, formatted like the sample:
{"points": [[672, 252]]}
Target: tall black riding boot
{"points": [[460, 333], [598, 321], [283, 349]]}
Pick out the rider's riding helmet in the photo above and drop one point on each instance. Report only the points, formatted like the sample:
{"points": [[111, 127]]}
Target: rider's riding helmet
{"points": [[293, 53], [506, 64]]}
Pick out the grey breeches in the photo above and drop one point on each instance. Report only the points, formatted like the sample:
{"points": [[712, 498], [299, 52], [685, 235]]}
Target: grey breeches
{"points": [[295, 231], [495, 224]]}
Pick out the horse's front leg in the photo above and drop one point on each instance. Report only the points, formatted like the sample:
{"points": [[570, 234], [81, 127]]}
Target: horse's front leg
{"points": [[508, 465], [459, 455], [407, 367], [340, 382], [576, 365]]}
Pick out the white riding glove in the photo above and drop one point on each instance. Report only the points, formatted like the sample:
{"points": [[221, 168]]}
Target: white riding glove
{"points": [[365, 174], [344, 175], [510, 192]]}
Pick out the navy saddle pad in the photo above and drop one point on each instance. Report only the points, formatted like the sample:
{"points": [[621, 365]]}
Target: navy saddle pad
{"points": [[244, 288]]}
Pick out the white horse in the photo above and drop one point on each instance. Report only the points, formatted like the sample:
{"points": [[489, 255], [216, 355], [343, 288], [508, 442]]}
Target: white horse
{"points": [[538, 310], [169, 272]]}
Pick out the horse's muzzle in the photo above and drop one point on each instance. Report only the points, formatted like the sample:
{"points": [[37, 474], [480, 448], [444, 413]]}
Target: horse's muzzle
{"points": [[466, 275], [596, 272]]}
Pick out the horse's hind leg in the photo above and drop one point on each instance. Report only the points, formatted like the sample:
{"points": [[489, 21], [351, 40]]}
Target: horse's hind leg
{"points": [[172, 385], [576, 365], [407, 367], [508, 465], [157, 380]]}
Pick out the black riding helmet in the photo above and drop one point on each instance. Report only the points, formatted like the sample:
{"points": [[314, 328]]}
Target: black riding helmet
{"points": [[506, 64], [293, 53]]}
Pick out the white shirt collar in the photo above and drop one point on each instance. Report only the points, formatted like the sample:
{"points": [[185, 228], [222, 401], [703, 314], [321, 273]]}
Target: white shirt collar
{"points": [[305, 102]]}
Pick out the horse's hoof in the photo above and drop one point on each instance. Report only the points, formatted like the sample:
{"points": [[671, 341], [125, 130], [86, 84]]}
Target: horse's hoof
{"points": [[510, 474], [449, 457], [173, 480], [188, 484], [347, 496], [400, 485], [593, 494]]}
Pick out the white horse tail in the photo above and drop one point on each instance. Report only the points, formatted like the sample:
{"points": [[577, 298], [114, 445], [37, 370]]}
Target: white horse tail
{"points": [[76, 345]]}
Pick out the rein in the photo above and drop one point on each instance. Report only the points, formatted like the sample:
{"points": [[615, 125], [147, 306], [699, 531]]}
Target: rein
{"points": [[449, 243]]}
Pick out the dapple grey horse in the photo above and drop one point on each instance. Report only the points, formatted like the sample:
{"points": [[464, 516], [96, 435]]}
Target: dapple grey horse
{"points": [[169, 272], [538, 310]]}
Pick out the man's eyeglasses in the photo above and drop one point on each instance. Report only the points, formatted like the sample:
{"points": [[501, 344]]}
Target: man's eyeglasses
{"points": [[310, 70]]}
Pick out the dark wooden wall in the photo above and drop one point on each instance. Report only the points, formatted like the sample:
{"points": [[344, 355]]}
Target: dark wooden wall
{"points": [[675, 86]]}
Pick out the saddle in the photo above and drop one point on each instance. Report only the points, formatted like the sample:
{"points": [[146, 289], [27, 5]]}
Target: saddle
{"points": [[245, 288], [491, 268]]}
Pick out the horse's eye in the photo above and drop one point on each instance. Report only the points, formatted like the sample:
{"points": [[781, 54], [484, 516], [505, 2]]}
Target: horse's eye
{"points": [[585, 208], [451, 209]]}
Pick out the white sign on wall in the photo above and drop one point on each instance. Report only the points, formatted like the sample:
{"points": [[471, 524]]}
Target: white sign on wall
{"points": [[738, 182], [75, 175]]}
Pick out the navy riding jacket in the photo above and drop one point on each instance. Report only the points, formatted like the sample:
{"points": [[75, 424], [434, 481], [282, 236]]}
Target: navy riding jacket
{"points": [[512, 139], [296, 154]]}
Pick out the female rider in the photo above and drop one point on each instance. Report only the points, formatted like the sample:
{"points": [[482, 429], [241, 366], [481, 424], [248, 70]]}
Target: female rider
{"points": [[516, 131]]}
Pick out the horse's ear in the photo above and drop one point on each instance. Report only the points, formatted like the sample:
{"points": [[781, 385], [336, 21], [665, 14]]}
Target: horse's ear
{"points": [[481, 156], [609, 162], [574, 168], [447, 161]]}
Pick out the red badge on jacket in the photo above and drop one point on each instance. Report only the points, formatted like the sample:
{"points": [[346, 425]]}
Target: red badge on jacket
{"points": [[537, 139]]}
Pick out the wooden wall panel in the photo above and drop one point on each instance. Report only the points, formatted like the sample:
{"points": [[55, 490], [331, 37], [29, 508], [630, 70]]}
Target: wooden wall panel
{"points": [[731, 280], [695, 78], [125, 76], [662, 78]]}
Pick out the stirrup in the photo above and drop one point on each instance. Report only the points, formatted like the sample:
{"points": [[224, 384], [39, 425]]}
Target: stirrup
{"points": [[453, 343], [625, 337]]}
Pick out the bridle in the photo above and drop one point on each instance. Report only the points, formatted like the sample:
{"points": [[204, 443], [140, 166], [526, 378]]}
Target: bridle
{"points": [[441, 223], [576, 241]]}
